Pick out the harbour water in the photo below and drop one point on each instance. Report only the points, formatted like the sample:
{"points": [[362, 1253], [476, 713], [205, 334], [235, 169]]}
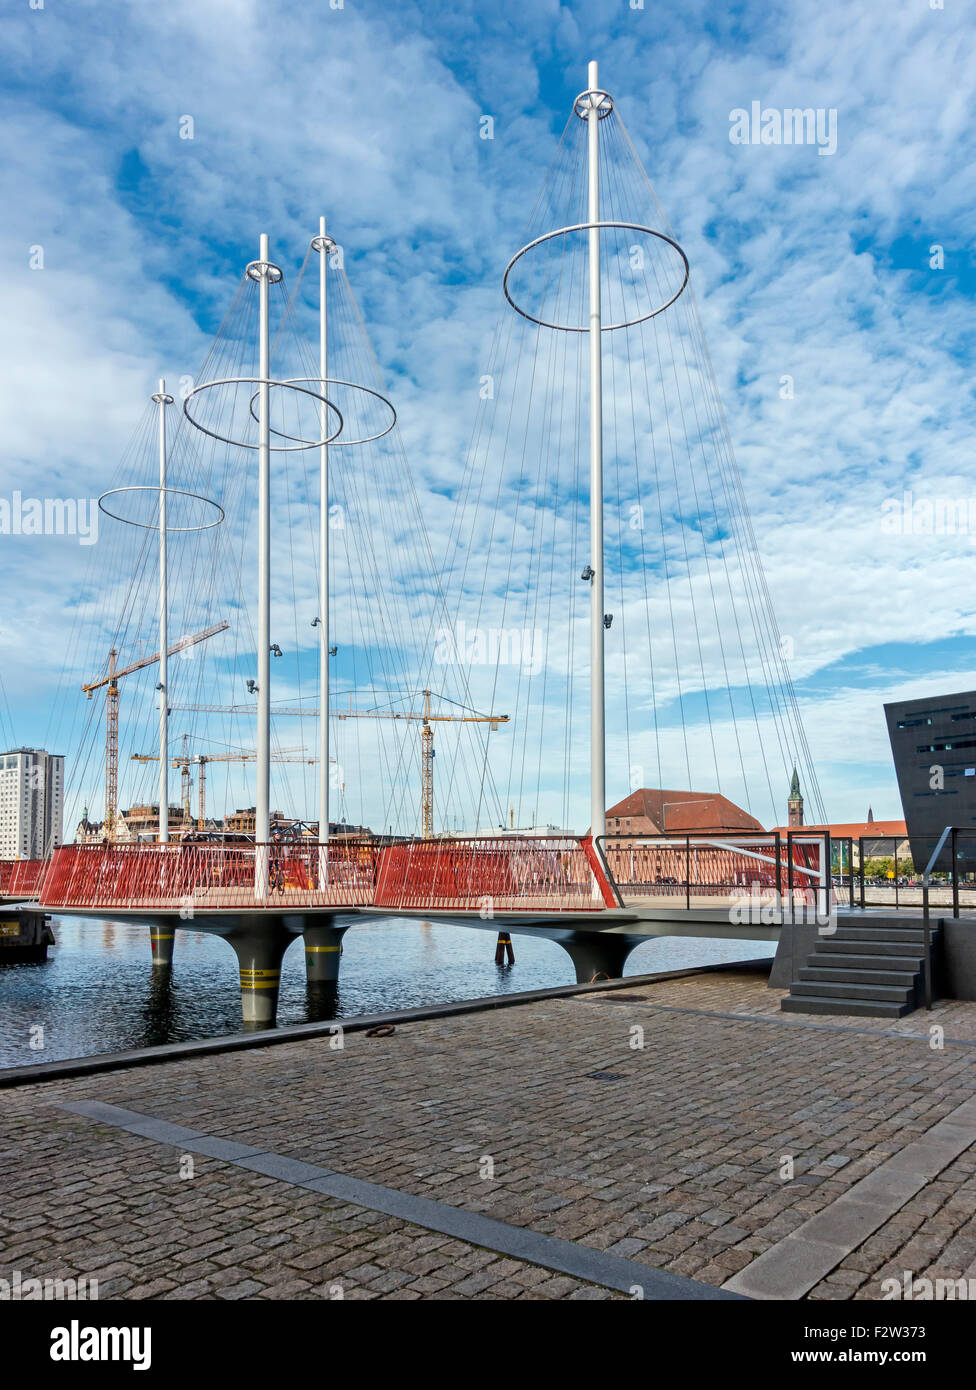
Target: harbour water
{"points": [[96, 992]]}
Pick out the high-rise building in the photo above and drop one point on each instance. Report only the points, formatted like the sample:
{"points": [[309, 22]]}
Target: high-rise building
{"points": [[933, 743], [31, 803]]}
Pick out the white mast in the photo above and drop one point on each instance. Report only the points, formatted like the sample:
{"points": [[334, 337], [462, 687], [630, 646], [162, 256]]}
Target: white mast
{"points": [[598, 803], [323, 244], [262, 819], [162, 400]]}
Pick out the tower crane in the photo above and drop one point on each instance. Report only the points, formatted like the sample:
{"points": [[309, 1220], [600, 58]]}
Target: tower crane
{"points": [[426, 719], [111, 682], [186, 761]]}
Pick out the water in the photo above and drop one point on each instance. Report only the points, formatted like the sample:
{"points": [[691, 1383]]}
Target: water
{"points": [[96, 992]]}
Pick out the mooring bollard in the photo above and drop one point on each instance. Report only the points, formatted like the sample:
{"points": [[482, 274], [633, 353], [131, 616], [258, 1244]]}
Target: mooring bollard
{"points": [[503, 947]]}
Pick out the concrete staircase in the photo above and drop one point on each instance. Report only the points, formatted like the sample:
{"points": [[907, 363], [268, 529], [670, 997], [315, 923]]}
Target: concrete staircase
{"points": [[872, 967]]}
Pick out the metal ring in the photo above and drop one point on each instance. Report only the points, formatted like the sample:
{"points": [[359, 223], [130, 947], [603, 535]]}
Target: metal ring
{"points": [[603, 110], [584, 227], [256, 270], [177, 491], [336, 381], [259, 382]]}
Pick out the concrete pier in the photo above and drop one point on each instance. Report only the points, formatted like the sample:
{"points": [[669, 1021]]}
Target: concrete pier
{"points": [[323, 949], [162, 940], [260, 951], [598, 955]]}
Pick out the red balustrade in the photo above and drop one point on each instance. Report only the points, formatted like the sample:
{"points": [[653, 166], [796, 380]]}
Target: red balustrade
{"points": [[206, 877], [20, 878], [492, 874]]}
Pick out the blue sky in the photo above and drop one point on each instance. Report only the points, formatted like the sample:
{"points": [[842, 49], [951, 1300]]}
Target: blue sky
{"points": [[813, 267]]}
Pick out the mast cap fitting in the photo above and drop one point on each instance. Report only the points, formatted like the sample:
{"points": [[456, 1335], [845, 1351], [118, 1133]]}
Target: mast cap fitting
{"points": [[257, 270], [593, 97]]}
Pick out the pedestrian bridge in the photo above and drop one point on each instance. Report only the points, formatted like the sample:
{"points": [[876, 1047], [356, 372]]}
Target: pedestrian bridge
{"points": [[482, 875], [598, 898]]}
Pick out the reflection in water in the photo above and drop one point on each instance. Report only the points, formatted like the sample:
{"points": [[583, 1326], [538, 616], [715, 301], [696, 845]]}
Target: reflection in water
{"points": [[321, 1001], [157, 1011], [98, 992]]}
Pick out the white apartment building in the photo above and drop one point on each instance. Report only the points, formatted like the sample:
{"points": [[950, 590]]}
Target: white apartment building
{"points": [[31, 803]]}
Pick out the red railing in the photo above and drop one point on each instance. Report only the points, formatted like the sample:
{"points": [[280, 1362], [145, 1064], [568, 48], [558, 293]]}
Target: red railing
{"points": [[209, 876], [20, 878], [490, 874]]}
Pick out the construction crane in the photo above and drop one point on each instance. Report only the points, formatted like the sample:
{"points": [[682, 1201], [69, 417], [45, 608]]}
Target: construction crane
{"points": [[110, 681], [185, 762], [426, 719], [243, 709]]}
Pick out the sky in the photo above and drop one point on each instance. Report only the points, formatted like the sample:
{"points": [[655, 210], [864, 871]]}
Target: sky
{"points": [[835, 285]]}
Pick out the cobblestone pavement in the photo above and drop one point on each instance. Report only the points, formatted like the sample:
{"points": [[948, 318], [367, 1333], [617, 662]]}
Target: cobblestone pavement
{"points": [[673, 1153]]}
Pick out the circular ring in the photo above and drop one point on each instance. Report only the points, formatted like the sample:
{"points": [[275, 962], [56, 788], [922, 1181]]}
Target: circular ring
{"points": [[382, 1030], [259, 382], [323, 243], [256, 270], [584, 227], [335, 381], [583, 105], [162, 398], [176, 491]]}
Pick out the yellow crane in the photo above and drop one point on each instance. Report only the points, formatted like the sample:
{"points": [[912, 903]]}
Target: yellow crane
{"points": [[111, 682], [201, 760], [426, 719]]}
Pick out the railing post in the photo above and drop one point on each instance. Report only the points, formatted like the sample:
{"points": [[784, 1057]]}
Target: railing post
{"points": [[860, 861], [779, 873], [687, 873], [955, 875], [828, 876], [789, 869], [927, 933]]}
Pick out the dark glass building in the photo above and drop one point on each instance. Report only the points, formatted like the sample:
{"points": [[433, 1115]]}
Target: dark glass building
{"points": [[933, 743]]}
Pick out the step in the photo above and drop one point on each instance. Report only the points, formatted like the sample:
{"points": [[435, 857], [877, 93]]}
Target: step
{"points": [[879, 933], [839, 961], [862, 1008], [832, 945], [890, 994], [900, 979], [857, 918]]}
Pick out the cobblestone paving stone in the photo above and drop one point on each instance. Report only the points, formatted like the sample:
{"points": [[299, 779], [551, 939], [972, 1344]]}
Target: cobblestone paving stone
{"points": [[676, 1164]]}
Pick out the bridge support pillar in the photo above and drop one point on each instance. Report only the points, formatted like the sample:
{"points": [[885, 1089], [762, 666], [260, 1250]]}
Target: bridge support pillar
{"points": [[323, 947], [260, 951], [598, 956], [161, 939]]}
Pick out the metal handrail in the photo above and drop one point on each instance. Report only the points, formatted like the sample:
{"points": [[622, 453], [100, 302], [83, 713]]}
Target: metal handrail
{"points": [[926, 920]]}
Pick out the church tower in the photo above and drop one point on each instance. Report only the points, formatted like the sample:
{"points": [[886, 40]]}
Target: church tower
{"points": [[795, 803]]}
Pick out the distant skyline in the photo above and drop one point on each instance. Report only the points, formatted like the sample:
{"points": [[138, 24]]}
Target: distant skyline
{"points": [[146, 148]]}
